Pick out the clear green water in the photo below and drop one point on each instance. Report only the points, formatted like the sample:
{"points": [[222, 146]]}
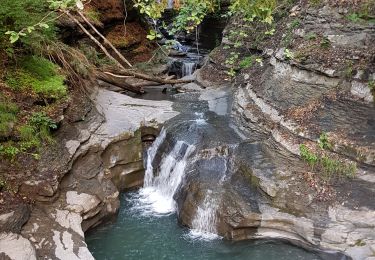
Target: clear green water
{"points": [[140, 235]]}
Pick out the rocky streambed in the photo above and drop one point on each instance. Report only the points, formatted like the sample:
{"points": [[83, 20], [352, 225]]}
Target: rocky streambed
{"points": [[101, 154], [227, 162]]}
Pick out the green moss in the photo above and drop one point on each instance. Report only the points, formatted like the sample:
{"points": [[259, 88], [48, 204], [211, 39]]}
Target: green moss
{"points": [[31, 136], [38, 74], [311, 36], [8, 116], [315, 3], [93, 15]]}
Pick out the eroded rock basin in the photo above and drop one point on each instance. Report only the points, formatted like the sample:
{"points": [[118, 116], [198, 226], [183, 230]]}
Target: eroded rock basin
{"points": [[138, 235], [202, 172]]}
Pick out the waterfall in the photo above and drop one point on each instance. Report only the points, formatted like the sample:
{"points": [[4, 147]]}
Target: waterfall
{"points": [[204, 222], [170, 4], [187, 68], [151, 153], [160, 185]]}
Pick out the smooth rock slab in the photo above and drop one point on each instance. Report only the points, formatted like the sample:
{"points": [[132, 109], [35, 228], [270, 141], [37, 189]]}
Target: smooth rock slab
{"points": [[16, 247]]}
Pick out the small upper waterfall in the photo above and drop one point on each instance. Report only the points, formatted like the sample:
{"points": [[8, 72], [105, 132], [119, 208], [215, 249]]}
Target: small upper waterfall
{"points": [[170, 4], [188, 68]]}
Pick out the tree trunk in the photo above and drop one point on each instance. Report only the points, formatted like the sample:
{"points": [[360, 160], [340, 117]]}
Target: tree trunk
{"points": [[138, 75], [119, 82], [122, 58], [94, 40]]}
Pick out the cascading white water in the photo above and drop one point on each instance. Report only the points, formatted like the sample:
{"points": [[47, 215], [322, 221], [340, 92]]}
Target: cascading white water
{"points": [[170, 4], [151, 153], [204, 222], [187, 68], [157, 194]]}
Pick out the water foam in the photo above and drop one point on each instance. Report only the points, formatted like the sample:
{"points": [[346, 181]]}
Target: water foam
{"points": [[157, 194]]}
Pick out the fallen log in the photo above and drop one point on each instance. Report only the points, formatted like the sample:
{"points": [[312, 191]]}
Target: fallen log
{"points": [[119, 82], [139, 75]]}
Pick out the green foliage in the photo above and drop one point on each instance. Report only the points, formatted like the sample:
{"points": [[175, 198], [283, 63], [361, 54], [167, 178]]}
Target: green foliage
{"points": [[38, 74], [9, 151], [295, 24], [8, 116], [151, 8], [252, 10], [36, 131], [288, 37], [31, 136], [247, 62], [93, 57], [231, 72], [192, 13], [349, 70], [311, 36], [323, 142], [153, 35], [93, 15], [233, 58], [18, 18], [329, 166], [315, 2], [308, 156], [354, 17], [42, 125], [288, 54], [325, 43], [371, 86]]}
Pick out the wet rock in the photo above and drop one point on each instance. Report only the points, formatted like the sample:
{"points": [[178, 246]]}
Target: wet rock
{"points": [[99, 156]]}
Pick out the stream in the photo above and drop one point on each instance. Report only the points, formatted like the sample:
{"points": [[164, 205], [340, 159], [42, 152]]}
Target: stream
{"points": [[200, 144], [139, 235], [193, 168]]}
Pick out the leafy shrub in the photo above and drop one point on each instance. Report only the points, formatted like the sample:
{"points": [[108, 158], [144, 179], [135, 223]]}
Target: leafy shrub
{"points": [[42, 125], [18, 14], [323, 142], [9, 150], [254, 9]]}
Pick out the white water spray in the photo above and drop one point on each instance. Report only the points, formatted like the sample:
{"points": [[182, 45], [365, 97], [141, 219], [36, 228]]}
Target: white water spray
{"points": [[151, 153], [158, 191], [205, 221]]}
